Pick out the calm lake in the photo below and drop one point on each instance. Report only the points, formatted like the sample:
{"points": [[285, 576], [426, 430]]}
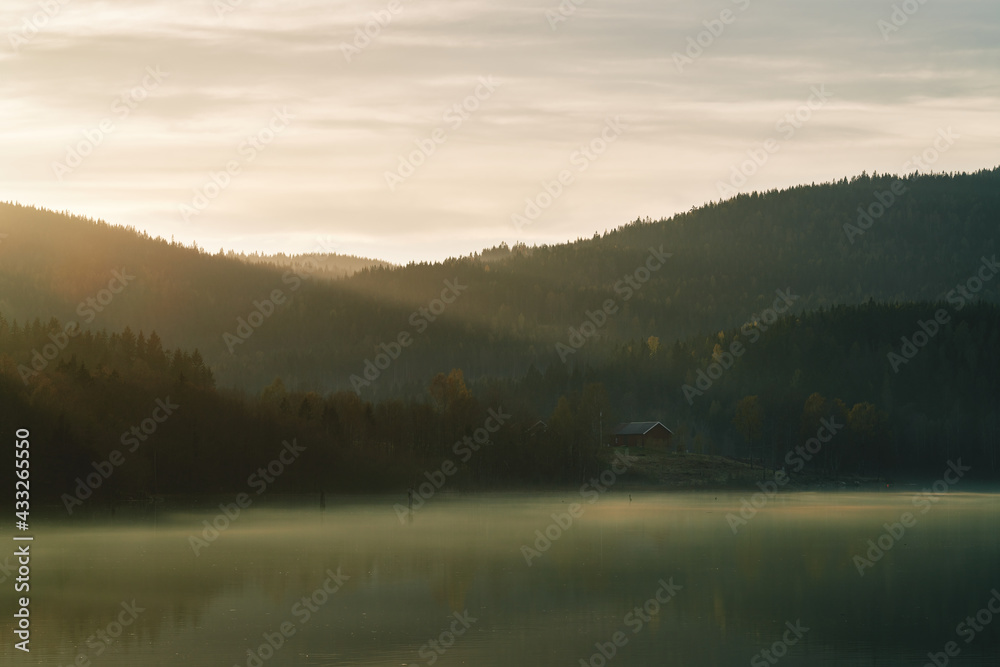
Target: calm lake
{"points": [[661, 579]]}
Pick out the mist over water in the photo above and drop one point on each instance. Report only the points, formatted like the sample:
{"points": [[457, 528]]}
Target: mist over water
{"points": [[355, 585]]}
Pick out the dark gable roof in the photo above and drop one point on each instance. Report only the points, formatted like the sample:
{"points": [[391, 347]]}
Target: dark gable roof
{"points": [[638, 428]]}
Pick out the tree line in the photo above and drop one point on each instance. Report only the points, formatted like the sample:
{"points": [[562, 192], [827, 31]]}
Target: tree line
{"points": [[727, 259], [816, 394]]}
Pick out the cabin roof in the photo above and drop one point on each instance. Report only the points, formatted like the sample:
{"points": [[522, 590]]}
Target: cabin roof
{"points": [[638, 428]]}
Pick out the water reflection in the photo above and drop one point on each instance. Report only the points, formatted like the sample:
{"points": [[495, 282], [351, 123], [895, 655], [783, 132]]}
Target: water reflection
{"points": [[792, 562]]}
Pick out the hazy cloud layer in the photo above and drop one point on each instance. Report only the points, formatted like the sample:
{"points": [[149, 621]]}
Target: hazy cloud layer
{"points": [[225, 69]]}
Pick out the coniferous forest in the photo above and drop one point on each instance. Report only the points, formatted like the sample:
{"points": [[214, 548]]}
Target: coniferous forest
{"points": [[743, 325]]}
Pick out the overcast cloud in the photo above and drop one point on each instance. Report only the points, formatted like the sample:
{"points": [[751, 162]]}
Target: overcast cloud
{"points": [[323, 176]]}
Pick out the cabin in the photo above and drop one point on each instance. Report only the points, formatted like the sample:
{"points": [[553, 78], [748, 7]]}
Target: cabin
{"points": [[642, 434]]}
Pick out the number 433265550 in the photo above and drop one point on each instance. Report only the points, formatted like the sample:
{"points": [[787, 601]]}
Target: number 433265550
{"points": [[21, 465]]}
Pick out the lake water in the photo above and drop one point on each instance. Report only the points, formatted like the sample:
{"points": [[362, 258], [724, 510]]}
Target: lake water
{"points": [[457, 574]]}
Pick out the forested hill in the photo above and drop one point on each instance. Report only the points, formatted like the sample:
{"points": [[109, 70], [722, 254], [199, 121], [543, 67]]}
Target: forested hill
{"points": [[917, 238], [320, 265], [119, 400]]}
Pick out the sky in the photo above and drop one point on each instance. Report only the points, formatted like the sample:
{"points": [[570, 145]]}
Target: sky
{"points": [[415, 130]]}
